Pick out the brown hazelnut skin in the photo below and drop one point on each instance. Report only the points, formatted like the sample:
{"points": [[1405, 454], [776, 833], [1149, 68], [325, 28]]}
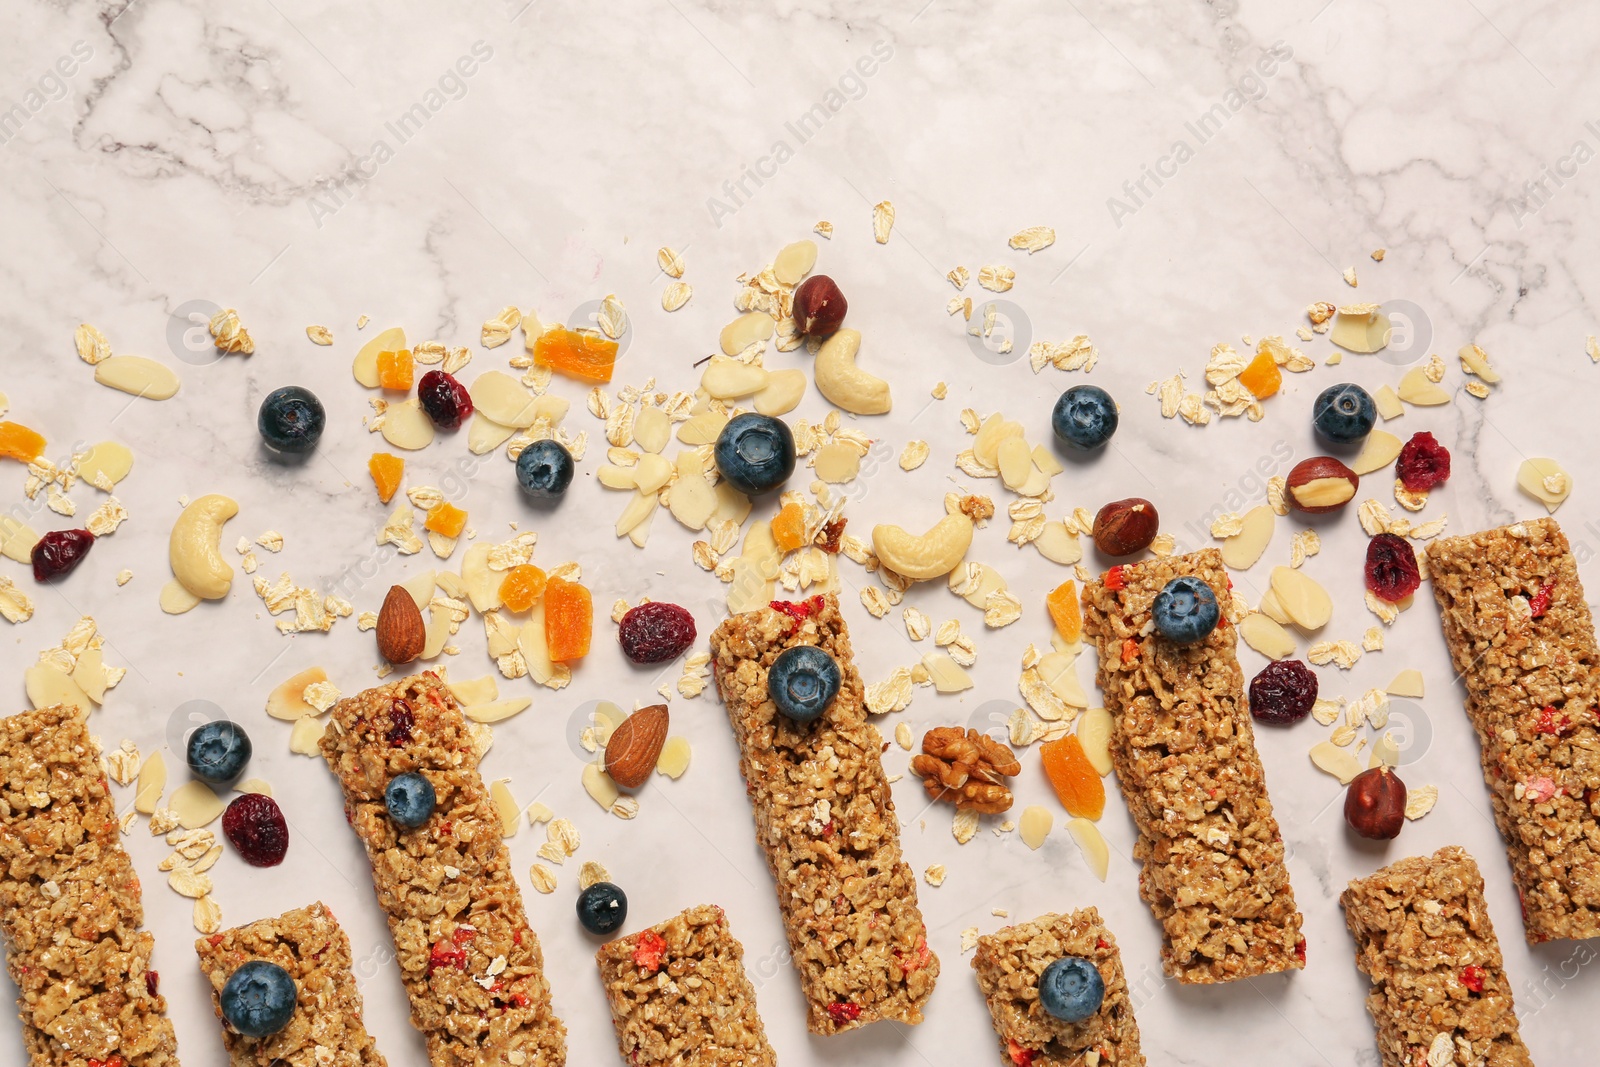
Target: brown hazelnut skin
{"points": [[1375, 804], [819, 306], [1313, 486], [1124, 527]]}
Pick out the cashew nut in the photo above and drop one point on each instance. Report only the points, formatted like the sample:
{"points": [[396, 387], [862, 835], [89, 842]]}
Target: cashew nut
{"points": [[932, 555], [195, 549], [843, 383]]}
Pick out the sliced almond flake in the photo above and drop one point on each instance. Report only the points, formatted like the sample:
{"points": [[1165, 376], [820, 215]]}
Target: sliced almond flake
{"points": [[996, 278], [1350, 277], [320, 335], [1420, 800]]}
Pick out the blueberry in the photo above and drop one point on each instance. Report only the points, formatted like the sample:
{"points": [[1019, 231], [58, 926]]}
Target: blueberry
{"points": [[291, 419], [1185, 611], [410, 799], [1085, 417], [1071, 989], [802, 682], [544, 469], [1344, 413], [602, 908], [755, 453], [258, 999], [218, 751]]}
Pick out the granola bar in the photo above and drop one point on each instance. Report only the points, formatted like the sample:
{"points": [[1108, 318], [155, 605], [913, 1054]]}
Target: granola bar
{"points": [[472, 967], [69, 904], [1522, 640], [825, 818], [1186, 760], [1009, 964], [327, 1030], [1440, 994], [679, 995]]}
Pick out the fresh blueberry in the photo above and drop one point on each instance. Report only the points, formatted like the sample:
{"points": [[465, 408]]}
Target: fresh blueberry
{"points": [[410, 799], [1071, 989], [1085, 417], [291, 419], [218, 751], [544, 469], [755, 453], [1344, 413], [602, 908], [258, 999], [1186, 611], [802, 682]]}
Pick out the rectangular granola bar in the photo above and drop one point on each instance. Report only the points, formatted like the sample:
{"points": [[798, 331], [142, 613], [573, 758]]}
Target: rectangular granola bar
{"points": [[327, 1030], [471, 965], [1439, 988], [1186, 761], [825, 818], [1009, 964], [679, 995], [69, 904], [1522, 640]]}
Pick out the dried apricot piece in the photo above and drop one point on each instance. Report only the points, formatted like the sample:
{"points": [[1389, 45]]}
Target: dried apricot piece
{"points": [[522, 586], [20, 443], [577, 353], [1063, 605], [386, 470], [568, 619], [789, 527], [394, 370], [445, 518], [1076, 782], [1262, 377]]}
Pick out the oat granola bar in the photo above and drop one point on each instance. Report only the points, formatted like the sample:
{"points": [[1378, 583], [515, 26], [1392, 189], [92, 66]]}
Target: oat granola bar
{"points": [[825, 818], [679, 995], [69, 904], [1009, 964], [1522, 640], [326, 1030], [1186, 761], [1440, 994], [471, 965]]}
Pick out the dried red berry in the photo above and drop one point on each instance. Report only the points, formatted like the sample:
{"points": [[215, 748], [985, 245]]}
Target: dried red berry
{"points": [[656, 632], [401, 720], [254, 823], [1553, 722], [649, 952], [446, 400], [152, 982], [1283, 692], [1423, 463], [1020, 1055], [1114, 579], [446, 953], [1472, 977], [1539, 603], [842, 1011], [59, 552], [1391, 570]]}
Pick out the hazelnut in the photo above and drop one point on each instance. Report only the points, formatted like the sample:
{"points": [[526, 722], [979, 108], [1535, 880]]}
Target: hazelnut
{"points": [[819, 306], [1375, 804], [1124, 527], [1321, 484]]}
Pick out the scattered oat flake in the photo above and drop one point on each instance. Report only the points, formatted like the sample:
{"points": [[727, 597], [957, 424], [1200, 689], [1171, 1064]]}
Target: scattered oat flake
{"points": [[1420, 800], [934, 875], [1478, 389], [959, 277], [940, 390], [823, 229], [320, 335], [914, 455], [996, 278], [124, 576], [670, 262], [1372, 640], [882, 221], [965, 825], [1378, 254], [1350, 277], [1033, 239]]}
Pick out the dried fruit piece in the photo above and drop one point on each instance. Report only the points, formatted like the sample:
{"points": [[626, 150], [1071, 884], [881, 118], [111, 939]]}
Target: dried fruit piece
{"points": [[789, 527], [386, 470], [1262, 377], [522, 586], [20, 443], [577, 353], [568, 620], [1391, 569], [395, 370], [446, 400], [445, 518], [59, 552], [1076, 781], [1283, 692], [254, 824], [1064, 610], [656, 632], [1423, 463]]}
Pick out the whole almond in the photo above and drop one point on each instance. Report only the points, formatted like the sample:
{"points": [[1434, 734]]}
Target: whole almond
{"points": [[400, 631], [635, 746], [1124, 527]]}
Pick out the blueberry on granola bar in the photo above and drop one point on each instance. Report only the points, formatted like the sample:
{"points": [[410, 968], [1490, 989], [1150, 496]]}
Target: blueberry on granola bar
{"points": [[1185, 611], [410, 799], [802, 682], [1071, 989], [259, 999]]}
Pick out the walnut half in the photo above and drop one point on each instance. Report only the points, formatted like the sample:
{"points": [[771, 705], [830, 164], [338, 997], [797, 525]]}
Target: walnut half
{"points": [[967, 767]]}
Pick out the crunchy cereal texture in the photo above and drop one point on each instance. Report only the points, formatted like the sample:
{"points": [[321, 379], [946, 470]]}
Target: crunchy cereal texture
{"points": [[69, 904], [327, 1030], [1419, 925], [825, 818], [1009, 964], [1533, 687], [1186, 760], [471, 965], [679, 995]]}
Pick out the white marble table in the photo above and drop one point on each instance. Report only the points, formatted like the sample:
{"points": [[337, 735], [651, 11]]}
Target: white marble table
{"points": [[1210, 169]]}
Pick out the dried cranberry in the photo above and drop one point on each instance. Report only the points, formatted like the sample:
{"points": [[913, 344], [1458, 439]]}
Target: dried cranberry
{"points": [[444, 399], [798, 610], [254, 823], [656, 632], [1423, 463], [1472, 977], [152, 982], [446, 953], [1392, 572], [1539, 603], [1283, 692], [1020, 1055], [1114, 579], [842, 1011], [649, 951], [401, 720], [59, 552], [1552, 721]]}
